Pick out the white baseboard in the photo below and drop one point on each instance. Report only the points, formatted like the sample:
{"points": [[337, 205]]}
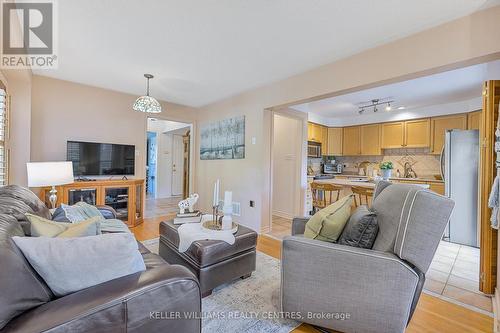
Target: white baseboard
{"points": [[283, 214], [265, 230]]}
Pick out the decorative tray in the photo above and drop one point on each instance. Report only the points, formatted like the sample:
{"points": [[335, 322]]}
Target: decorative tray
{"points": [[217, 226]]}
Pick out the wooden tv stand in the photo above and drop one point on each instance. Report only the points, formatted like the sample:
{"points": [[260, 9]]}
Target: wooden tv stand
{"points": [[125, 196]]}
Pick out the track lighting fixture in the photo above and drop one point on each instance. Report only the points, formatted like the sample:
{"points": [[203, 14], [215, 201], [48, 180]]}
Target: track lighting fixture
{"points": [[374, 103]]}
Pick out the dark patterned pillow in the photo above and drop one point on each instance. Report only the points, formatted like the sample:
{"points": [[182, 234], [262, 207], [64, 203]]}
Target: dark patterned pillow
{"points": [[59, 215], [361, 229]]}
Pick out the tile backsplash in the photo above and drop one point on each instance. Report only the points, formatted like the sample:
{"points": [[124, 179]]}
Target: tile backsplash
{"points": [[315, 164], [423, 163]]}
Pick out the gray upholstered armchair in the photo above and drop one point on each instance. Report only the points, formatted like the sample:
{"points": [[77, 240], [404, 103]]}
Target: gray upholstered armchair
{"points": [[351, 289]]}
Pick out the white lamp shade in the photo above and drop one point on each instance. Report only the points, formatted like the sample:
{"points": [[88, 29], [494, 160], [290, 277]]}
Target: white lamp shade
{"points": [[49, 173]]}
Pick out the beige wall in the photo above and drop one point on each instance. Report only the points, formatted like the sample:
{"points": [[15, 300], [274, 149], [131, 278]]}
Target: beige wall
{"points": [[468, 40], [63, 111], [18, 83]]}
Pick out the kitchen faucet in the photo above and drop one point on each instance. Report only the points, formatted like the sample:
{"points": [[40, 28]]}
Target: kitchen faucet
{"points": [[409, 173]]}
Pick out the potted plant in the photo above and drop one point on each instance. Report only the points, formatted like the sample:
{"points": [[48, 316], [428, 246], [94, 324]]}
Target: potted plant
{"points": [[386, 168]]}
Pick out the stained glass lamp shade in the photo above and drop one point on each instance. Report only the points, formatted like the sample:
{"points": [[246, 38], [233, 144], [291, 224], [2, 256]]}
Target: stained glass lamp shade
{"points": [[147, 103]]}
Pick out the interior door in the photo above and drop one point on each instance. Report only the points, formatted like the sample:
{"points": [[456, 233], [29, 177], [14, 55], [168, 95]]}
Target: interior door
{"points": [[286, 149], [488, 235], [177, 165]]}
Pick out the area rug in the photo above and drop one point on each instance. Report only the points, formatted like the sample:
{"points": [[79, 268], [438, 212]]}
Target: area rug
{"points": [[250, 305]]}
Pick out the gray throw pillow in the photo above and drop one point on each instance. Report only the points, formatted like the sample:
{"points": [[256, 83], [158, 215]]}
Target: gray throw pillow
{"points": [[68, 265], [361, 229]]}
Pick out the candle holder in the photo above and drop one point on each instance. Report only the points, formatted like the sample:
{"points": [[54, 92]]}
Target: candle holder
{"points": [[215, 223]]}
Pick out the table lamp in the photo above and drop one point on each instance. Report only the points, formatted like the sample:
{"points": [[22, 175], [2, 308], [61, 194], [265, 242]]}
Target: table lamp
{"points": [[41, 174]]}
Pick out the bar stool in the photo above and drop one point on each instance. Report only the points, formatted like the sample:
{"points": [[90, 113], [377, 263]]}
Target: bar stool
{"points": [[362, 192], [322, 194]]}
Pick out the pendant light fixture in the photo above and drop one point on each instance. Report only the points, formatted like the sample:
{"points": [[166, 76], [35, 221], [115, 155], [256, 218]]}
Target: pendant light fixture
{"points": [[147, 103]]}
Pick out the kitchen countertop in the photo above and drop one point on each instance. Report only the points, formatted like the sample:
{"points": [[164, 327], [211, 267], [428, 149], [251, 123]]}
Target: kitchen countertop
{"points": [[349, 183], [433, 180]]}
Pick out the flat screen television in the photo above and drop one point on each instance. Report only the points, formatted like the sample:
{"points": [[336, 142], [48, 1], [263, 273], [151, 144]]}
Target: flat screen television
{"points": [[101, 159]]}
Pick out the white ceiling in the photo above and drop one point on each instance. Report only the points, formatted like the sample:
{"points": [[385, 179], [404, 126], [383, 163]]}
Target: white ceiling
{"points": [[416, 96], [164, 126], [202, 51]]}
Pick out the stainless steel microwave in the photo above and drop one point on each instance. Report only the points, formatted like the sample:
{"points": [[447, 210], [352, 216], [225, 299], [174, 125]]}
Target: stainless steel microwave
{"points": [[313, 149]]}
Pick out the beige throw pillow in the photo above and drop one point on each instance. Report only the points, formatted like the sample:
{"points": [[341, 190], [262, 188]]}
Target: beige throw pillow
{"points": [[328, 223], [43, 227]]}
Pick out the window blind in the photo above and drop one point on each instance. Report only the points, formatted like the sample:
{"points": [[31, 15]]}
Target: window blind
{"points": [[4, 152]]}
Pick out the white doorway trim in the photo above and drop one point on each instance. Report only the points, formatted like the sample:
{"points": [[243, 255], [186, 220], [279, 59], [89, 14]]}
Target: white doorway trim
{"points": [[177, 165], [192, 130]]}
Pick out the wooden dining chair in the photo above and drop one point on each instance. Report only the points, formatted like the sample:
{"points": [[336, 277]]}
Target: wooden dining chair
{"points": [[361, 192], [323, 194]]}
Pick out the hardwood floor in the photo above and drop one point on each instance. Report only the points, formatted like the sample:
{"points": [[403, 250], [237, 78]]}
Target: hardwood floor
{"points": [[432, 314], [150, 227], [161, 207], [156, 210]]}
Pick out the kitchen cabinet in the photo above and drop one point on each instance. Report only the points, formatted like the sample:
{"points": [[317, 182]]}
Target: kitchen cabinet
{"points": [[311, 131], [417, 133], [434, 186], [474, 120], [370, 139], [437, 187], [351, 144], [324, 139], [393, 134], [407, 134], [315, 132], [439, 125], [335, 136]]}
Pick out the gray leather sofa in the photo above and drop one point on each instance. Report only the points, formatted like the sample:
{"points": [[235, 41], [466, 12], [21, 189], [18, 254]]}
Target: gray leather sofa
{"points": [[134, 303], [350, 289]]}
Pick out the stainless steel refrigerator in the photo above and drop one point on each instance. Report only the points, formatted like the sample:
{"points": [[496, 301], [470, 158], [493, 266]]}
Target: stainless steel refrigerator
{"points": [[459, 168]]}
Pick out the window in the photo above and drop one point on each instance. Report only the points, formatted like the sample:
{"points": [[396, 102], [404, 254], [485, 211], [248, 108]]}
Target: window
{"points": [[4, 152]]}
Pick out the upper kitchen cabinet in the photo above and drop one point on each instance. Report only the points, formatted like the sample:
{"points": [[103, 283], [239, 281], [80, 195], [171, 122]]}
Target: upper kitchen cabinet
{"points": [[439, 125], [324, 139], [310, 131], [314, 132], [393, 135], [351, 144], [370, 139], [474, 120], [406, 134], [417, 133], [335, 136]]}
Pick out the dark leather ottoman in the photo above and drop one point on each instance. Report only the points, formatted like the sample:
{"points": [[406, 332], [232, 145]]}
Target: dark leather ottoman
{"points": [[214, 262]]}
